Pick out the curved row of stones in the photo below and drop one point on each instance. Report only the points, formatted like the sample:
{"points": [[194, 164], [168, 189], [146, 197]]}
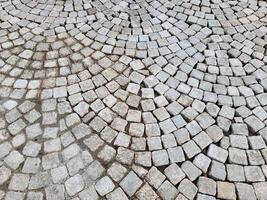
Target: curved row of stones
{"points": [[133, 99]]}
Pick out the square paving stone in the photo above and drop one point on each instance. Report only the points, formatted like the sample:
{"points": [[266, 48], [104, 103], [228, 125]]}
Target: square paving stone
{"points": [[146, 193], [188, 189], [74, 184], [191, 170], [131, 183], [226, 190], [245, 191], [235, 173], [154, 177], [160, 158], [116, 194], [167, 190], [104, 186], [174, 173], [206, 185], [217, 153]]}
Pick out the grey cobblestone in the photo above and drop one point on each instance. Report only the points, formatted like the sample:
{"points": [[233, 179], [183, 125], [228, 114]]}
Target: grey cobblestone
{"points": [[133, 99]]}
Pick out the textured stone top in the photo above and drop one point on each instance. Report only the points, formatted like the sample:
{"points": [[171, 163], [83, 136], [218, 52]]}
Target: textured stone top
{"points": [[142, 100]]}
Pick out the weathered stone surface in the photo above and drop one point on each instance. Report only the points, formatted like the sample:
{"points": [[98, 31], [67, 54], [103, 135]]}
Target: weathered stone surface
{"points": [[133, 100]]}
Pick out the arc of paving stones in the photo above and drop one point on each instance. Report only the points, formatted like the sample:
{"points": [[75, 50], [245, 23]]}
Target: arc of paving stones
{"points": [[133, 100]]}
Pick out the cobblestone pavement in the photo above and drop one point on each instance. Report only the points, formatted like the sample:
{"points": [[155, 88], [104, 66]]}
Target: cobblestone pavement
{"points": [[146, 99]]}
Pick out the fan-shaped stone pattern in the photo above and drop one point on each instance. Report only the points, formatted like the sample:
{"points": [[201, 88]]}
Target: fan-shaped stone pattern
{"points": [[133, 99]]}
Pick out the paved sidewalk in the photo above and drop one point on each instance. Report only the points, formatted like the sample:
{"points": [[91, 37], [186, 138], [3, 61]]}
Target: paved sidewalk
{"points": [[142, 100]]}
